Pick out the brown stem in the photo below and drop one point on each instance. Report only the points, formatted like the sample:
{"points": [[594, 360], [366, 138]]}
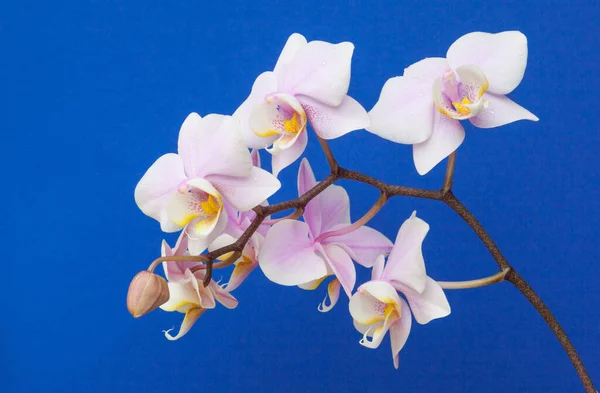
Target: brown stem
{"points": [[333, 165], [518, 281], [449, 173]]}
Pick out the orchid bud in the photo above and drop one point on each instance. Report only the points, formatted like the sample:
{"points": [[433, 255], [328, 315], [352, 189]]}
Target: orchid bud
{"points": [[147, 292]]}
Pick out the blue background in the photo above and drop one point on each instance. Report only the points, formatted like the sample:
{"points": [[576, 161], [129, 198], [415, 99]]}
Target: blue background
{"points": [[94, 91]]}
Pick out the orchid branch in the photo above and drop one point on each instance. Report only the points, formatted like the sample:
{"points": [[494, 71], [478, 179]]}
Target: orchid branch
{"points": [[480, 282]]}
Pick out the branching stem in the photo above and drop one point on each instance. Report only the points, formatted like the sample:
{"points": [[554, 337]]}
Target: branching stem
{"points": [[445, 195]]}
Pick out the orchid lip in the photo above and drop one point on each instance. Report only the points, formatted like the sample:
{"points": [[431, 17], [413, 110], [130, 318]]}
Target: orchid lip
{"points": [[194, 199], [459, 94], [281, 115]]}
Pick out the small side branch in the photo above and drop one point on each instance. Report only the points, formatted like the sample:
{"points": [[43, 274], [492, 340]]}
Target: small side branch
{"points": [[481, 282]]}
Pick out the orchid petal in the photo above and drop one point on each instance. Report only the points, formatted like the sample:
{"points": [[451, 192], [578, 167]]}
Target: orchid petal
{"points": [[405, 263], [245, 193], [319, 70], [183, 294], [404, 112], [378, 268], [501, 110], [265, 84], [293, 44], [399, 332], [255, 154], [312, 211], [335, 208], [191, 316], [157, 186], [223, 296], [448, 134], [341, 264], [287, 256], [240, 272], [224, 151], [364, 244], [330, 122], [501, 56], [284, 158], [207, 297], [333, 293], [175, 270], [313, 284], [430, 68], [430, 304]]}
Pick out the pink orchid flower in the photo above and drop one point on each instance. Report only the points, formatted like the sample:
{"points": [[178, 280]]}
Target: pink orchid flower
{"points": [[424, 107], [305, 253], [187, 293], [188, 189], [376, 306], [309, 83]]}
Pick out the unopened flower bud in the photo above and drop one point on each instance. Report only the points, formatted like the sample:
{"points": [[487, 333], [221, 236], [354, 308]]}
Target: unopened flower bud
{"points": [[147, 292]]}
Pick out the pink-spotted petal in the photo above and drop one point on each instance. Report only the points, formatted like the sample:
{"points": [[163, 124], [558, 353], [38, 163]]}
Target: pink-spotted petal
{"points": [[330, 122], [287, 256], [293, 44], [341, 264], [461, 101], [156, 187], [501, 56], [191, 316], [319, 70], [333, 294], [430, 304], [501, 110], [404, 112], [245, 193], [405, 263], [448, 134], [399, 332], [278, 114], [285, 158], [312, 211], [365, 309], [364, 244], [265, 84]]}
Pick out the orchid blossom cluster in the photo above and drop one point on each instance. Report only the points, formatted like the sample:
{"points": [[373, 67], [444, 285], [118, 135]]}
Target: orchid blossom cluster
{"points": [[210, 190]]}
